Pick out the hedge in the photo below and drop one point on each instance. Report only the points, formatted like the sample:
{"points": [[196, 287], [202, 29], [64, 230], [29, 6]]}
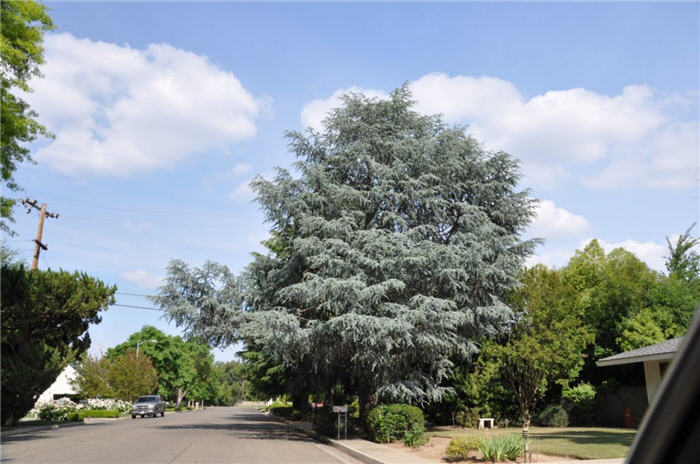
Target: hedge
{"points": [[99, 413]]}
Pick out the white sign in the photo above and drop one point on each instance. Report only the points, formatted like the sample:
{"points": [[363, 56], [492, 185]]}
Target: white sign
{"points": [[340, 408]]}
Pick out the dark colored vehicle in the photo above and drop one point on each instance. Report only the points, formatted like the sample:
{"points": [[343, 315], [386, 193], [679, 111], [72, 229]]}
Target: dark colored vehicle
{"points": [[148, 406]]}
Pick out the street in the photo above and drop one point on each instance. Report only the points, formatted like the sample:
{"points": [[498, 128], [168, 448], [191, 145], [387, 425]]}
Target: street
{"points": [[213, 435]]}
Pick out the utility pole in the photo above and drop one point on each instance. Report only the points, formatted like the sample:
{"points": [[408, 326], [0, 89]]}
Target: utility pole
{"points": [[38, 245]]}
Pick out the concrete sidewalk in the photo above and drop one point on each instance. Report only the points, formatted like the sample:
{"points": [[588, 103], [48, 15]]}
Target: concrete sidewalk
{"points": [[363, 450], [590, 461]]}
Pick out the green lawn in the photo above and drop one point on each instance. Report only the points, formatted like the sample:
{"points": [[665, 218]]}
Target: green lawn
{"points": [[575, 442]]}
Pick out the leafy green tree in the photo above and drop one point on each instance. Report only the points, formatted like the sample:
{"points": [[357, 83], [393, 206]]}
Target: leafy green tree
{"points": [[45, 318], [393, 247], [91, 377], [610, 289], [683, 261], [547, 340], [131, 375], [181, 365], [23, 24]]}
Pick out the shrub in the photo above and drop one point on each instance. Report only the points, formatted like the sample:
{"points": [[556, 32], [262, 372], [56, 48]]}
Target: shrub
{"points": [[296, 415], [467, 418], [178, 409], [580, 401], [282, 411], [553, 416], [99, 413], [459, 447], [105, 404], [502, 447], [393, 422], [55, 410], [325, 422], [415, 436]]}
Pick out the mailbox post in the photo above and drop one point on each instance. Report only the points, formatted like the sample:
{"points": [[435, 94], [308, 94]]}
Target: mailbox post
{"points": [[342, 410]]}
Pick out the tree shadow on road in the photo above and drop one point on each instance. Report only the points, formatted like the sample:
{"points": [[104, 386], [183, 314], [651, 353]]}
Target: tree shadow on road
{"points": [[268, 431]]}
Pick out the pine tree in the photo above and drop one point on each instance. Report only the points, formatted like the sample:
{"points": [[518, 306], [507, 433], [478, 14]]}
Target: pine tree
{"points": [[393, 240]]}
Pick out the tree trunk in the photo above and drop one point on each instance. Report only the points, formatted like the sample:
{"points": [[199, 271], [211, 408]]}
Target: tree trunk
{"points": [[368, 400], [180, 395], [300, 402]]}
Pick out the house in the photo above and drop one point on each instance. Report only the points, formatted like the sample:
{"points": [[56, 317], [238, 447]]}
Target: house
{"points": [[656, 359], [61, 387]]}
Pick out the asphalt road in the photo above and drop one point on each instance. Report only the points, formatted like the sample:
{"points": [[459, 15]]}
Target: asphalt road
{"points": [[213, 435]]}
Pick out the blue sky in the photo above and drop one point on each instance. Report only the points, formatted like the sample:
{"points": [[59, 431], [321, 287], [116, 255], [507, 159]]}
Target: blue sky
{"points": [[164, 111]]}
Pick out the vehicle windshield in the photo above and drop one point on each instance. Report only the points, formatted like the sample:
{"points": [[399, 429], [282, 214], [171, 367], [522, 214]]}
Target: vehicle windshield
{"points": [[147, 399]]}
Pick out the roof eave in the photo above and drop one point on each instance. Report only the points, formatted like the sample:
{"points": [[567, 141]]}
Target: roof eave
{"points": [[635, 359]]}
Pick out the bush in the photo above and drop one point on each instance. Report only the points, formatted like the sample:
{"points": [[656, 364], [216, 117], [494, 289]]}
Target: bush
{"points": [[392, 422], [467, 418], [55, 410], [296, 415], [282, 411], [105, 404], [459, 447], [553, 416], [325, 422], [580, 401], [178, 409], [99, 413], [502, 447]]}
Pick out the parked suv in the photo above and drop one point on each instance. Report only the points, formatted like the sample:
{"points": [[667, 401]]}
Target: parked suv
{"points": [[148, 406]]}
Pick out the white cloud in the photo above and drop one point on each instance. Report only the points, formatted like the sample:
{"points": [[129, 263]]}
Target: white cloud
{"points": [[554, 222], [242, 168], [314, 112], [142, 278], [630, 138], [242, 192], [551, 258], [116, 110]]}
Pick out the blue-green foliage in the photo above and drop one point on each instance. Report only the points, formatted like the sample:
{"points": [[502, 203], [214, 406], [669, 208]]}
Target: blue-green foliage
{"points": [[392, 242]]}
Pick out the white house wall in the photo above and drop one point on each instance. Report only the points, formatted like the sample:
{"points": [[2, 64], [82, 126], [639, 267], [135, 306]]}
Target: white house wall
{"points": [[61, 386]]}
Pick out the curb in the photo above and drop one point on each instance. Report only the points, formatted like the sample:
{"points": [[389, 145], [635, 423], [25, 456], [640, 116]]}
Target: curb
{"points": [[37, 428], [352, 452]]}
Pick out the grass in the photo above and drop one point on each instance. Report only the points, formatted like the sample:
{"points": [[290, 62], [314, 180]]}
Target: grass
{"points": [[575, 442]]}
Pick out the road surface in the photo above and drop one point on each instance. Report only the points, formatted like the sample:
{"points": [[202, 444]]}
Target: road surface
{"points": [[213, 435]]}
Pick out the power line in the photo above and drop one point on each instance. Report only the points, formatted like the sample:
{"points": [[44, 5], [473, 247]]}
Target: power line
{"points": [[137, 307], [134, 294]]}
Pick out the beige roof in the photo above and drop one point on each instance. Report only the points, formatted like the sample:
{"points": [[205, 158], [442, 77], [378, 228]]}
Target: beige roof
{"points": [[663, 351]]}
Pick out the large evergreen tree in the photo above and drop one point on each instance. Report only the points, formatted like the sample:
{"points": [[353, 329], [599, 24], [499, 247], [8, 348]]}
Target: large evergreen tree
{"points": [[394, 239], [45, 318]]}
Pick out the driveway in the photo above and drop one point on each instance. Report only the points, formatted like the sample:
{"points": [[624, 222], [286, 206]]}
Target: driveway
{"points": [[213, 435]]}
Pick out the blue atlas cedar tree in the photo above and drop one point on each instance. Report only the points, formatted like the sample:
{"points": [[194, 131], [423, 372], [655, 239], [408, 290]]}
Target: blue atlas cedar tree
{"points": [[394, 239]]}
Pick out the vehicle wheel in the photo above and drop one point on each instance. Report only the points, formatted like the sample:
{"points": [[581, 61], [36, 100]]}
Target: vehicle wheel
{"points": [[133, 416], [142, 416]]}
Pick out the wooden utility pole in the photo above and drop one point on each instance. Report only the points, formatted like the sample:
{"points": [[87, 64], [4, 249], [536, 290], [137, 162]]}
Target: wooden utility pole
{"points": [[38, 245]]}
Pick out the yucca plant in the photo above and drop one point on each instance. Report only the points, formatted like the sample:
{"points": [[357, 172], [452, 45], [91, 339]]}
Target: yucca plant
{"points": [[502, 448]]}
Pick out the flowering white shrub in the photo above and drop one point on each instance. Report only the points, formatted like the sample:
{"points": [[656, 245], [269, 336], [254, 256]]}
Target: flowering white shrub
{"points": [[59, 410], [55, 410], [109, 403]]}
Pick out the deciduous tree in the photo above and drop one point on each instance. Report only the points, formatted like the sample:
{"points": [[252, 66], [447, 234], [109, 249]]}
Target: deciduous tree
{"points": [[130, 376], [23, 24]]}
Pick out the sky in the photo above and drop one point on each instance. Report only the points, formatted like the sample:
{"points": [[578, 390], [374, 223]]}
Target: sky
{"points": [[163, 112]]}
